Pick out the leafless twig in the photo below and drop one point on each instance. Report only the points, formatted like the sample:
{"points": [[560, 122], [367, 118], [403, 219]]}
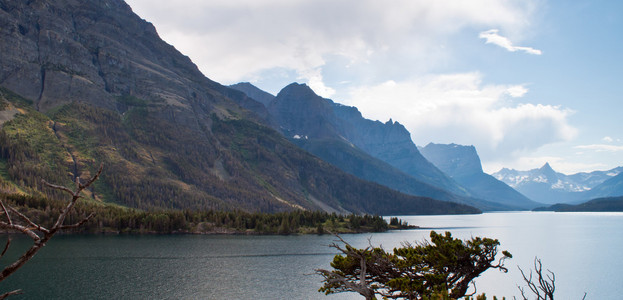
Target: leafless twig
{"points": [[39, 234], [546, 282]]}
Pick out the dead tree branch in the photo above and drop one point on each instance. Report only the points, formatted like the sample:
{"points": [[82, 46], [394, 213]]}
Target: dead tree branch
{"points": [[544, 286], [39, 234]]}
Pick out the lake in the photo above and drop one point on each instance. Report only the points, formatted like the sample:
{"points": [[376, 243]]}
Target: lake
{"points": [[582, 249]]}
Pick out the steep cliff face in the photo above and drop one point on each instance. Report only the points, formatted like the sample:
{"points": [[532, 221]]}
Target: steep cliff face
{"points": [[300, 112], [463, 164], [391, 142], [341, 136], [57, 52], [455, 160], [93, 82]]}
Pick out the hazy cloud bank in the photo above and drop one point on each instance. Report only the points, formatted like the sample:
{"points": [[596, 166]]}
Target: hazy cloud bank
{"points": [[459, 108]]}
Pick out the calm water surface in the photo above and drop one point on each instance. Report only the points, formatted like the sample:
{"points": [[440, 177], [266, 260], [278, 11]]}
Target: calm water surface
{"points": [[582, 249]]}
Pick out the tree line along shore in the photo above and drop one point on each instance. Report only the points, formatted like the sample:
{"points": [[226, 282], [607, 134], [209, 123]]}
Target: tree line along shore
{"points": [[118, 219]]}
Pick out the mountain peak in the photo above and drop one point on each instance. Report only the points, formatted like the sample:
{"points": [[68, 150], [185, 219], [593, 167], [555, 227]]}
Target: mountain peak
{"points": [[548, 171], [465, 160], [298, 91], [295, 86]]}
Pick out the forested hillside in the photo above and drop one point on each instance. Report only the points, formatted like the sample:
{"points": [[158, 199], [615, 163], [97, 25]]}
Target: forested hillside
{"points": [[90, 82]]}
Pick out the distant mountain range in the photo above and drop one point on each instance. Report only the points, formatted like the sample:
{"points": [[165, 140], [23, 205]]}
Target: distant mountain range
{"points": [[548, 186], [371, 150], [84, 82], [463, 164], [610, 204]]}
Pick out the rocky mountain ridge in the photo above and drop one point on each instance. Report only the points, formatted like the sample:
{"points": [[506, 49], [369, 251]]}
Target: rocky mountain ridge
{"points": [[372, 150], [548, 186], [93, 82], [463, 164]]}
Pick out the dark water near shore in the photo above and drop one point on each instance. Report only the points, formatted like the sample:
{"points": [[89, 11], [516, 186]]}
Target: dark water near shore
{"points": [[583, 250]]}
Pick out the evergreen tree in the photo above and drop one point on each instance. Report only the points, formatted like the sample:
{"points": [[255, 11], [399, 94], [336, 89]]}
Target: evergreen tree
{"points": [[443, 268]]}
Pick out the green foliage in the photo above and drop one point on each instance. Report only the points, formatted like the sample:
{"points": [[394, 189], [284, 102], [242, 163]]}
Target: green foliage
{"points": [[30, 151], [113, 218], [443, 268], [396, 223]]}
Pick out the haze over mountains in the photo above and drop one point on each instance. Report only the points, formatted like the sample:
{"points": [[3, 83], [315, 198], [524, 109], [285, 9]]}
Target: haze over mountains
{"points": [[372, 150], [462, 163], [340, 135], [548, 186]]}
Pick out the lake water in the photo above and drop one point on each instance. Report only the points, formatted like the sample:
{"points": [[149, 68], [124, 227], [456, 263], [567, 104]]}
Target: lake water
{"points": [[582, 249]]}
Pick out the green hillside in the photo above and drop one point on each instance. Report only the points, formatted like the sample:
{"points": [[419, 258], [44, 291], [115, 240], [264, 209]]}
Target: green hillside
{"points": [[151, 163]]}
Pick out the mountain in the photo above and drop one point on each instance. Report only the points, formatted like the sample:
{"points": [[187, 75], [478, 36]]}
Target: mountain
{"points": [[595, 178], [548, 186], [299, 111], [611, 187], [340, 135], [463, 164], [610, 204], [84, 82], [254, 92]]}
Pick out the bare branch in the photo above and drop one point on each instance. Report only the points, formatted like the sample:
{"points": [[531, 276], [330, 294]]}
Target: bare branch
{"points": [[57, 187], [23, 229], [6, 213], [40, 241], [78, 224], [523, 293], [32, 224], [11, 293], [75, 196], [6, 247], [94, 178], [546, 283]]}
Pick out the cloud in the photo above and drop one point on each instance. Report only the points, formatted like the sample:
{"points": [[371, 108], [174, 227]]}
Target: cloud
{"points": [[493, 37], [459, 108], [608, 139], [232, 41], [314, 80], [601, 148]]}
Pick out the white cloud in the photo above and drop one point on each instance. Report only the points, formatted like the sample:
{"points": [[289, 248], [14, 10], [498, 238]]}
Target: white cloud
{"points": [[601, 148], [517, 91], [314, 80], [232, 41], [493, 37], [608, 139], [459, 108]]}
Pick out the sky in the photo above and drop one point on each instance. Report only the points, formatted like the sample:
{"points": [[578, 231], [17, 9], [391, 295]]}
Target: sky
{"points": [[524, 81]]}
